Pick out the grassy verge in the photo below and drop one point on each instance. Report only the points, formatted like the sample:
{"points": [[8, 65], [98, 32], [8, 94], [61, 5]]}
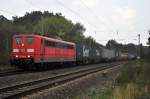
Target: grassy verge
{"points": [[132, 83]]}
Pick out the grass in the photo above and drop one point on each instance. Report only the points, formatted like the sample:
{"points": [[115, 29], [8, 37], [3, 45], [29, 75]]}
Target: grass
{"points": [[132, 83], [105, 94]]}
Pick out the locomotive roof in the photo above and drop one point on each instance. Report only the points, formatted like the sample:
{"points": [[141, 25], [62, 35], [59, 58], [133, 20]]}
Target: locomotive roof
{"points": [[47, 38]]}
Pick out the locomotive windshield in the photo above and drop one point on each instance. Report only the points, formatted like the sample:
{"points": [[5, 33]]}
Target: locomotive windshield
{"points": [[29, 40], [18, 40]]}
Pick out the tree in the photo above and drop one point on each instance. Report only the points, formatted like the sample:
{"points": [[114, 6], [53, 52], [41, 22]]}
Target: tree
{"points": [[58, 26], [5, 36], [112, 44], [29, 20], [125, 48], [76, 33], [52, 26]]}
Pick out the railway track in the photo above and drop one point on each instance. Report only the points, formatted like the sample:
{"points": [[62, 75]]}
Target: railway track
{"points": [[28, 87], [10, 72]]}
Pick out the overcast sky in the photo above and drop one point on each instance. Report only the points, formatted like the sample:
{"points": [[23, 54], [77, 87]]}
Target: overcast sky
{"points": [[121, 20]]}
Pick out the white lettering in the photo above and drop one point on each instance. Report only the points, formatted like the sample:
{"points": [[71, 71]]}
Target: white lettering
{"points": [[85, 52]]}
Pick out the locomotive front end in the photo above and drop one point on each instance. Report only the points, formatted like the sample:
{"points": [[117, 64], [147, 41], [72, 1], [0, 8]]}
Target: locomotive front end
{"points": [[23, 49]]}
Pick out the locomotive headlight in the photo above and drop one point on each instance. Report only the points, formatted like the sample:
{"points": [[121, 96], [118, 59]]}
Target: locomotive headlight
{"points": [[30, 50], [16, 56], [22, 44], [15, 50], [28, 56]]}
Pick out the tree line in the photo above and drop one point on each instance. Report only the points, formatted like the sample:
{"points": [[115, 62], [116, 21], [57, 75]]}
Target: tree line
{"points": [[137, 50]]}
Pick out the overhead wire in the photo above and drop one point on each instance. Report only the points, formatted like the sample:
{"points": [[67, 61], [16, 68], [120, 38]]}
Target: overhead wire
{"points": [[78, 14], [8, 12], [113, 39], [95, 15], [31, 4]]}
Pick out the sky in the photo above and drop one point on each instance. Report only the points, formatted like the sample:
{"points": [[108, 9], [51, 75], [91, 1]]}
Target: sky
{"points": [[121, 20]]}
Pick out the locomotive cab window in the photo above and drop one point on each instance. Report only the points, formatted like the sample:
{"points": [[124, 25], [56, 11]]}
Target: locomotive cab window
{"points": [[50, 43], [18, 40], [29, 40]]}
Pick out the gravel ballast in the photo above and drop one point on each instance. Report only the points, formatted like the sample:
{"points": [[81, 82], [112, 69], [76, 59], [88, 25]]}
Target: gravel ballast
{"points": [[78, 87], [7, 67]]}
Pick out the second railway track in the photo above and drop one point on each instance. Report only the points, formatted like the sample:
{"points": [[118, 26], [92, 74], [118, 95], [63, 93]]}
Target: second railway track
{"points": [[11, 72], [28, 87]]}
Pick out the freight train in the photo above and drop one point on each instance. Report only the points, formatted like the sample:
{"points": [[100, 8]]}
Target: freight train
{"points": [[30, 49]]}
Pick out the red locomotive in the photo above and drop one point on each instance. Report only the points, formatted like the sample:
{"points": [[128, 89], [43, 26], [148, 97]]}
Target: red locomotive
{"points": [[31, 49]]}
